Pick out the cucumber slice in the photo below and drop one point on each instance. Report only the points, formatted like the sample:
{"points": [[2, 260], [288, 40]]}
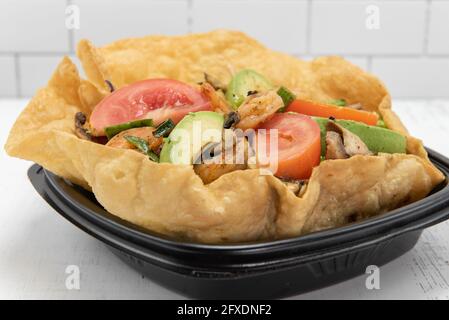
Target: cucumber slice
{"points": [[192, 133], [113, 130]]}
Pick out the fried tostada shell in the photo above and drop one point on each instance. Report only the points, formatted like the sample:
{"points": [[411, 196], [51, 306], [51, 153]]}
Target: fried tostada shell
{"points": [[241, 205]]}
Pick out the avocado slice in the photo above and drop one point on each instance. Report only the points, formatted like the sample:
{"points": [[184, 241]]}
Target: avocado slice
{"points": [[377, 139], [245, 81], [193, 132]]}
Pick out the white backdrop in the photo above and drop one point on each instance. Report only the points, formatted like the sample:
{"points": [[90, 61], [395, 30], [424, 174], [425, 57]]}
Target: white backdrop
{"points": [[404, 42]]}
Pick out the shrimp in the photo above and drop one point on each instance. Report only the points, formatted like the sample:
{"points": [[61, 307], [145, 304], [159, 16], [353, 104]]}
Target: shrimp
{"points": [[216, 98], [213, 171], [257, 108], [146, 133]]}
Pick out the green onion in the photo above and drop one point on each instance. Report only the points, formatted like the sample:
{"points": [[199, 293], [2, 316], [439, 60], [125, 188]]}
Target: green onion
{"points": [[143, 147], [153, 157], [139, 143], [164, 129], [281, 110], [113, 130], [338, 102], [286, 95]]}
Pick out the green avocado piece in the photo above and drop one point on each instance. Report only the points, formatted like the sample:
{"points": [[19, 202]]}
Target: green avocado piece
{"points": [[377, 139], [245, 81], [193, 132]]}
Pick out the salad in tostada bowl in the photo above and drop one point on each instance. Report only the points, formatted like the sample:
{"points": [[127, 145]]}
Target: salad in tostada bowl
{"points": [[214, 138]]}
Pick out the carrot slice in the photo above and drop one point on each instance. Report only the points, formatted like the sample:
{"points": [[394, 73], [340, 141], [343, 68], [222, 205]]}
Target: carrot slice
{"points": [[312, 108]]}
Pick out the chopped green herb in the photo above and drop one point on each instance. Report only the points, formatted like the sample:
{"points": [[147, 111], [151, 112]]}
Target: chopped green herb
{"points": [[164, 129], [286, 95], [143, 147], [113, 130], [139, 143], [153, 157], [338, 102], [281, 110]]}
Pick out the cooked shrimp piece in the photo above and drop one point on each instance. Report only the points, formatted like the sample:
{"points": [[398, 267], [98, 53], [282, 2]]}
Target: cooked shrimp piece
{"points": [[257, 108], [217, 98], [146, 133], [213, 171]]}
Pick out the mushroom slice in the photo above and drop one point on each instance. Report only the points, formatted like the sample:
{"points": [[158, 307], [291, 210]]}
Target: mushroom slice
{"points": [[231, 120], [298, 187], [335, 148], [228, 159], [342, 143], [80, 131]]}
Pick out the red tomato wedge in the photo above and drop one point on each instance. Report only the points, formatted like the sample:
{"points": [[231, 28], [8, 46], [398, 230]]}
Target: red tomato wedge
{"points": [[299, 145], [312, 108], [157, 99]]}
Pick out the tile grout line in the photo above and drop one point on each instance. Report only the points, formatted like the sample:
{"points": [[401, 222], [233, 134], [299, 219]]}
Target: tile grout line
{"points": [[427, 28], [71, 35], [368, 55], [18, 56], [18, 76], [308, 26]]}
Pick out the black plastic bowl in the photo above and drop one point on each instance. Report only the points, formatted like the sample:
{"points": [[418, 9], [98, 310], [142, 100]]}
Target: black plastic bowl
{"points": [[251, 270]]}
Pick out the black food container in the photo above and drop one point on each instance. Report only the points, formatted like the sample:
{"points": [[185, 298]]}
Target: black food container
{"points": [[250, 270]]}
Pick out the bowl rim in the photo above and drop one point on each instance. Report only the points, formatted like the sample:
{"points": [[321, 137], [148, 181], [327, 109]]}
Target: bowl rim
{"points": [[356, 232]]}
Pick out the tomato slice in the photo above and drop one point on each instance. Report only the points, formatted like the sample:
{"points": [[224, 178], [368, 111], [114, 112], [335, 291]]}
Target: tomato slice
{"points": [[299, 145], [157, 99], [312, 108]]}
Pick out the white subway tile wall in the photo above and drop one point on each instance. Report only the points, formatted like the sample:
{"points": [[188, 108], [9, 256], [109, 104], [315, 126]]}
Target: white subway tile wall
{"points": [[8, 86], [33, 26], [35, 71], [439, 28], [414, 77], [103, 21], [404, 42], [281, 25], [351, 27]]}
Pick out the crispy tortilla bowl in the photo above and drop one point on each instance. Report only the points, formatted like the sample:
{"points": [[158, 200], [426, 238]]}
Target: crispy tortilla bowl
{"points": [[240, 206]]}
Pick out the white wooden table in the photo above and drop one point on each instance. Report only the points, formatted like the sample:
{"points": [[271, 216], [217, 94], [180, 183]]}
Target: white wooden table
{"points": [[37, 244]]}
